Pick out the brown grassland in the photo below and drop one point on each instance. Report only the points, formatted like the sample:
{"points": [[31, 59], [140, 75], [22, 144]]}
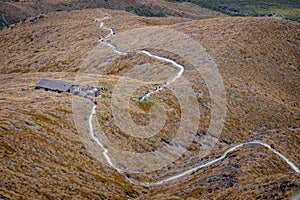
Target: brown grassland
{"points": [[43, 156]]}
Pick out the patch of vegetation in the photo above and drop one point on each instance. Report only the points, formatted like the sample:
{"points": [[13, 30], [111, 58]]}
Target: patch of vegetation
{"points": [[289, 9], [106, 95], [150, 99], [5, 21], [145, 12]]}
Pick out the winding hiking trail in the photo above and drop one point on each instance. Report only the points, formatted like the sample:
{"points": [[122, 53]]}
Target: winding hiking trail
{"points": [[294, 167], [97, 140], [181, 70], [105, 151], [115, 49]]}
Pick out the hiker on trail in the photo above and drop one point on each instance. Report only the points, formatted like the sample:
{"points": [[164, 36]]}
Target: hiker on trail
{"points": [[101, 25], [112, 31], [84, 95], [96, 92], [110, 91]]}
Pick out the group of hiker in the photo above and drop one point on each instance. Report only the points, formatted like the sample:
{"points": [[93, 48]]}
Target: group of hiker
{"points": [[112, 31], [91, 92], [155, 89]]}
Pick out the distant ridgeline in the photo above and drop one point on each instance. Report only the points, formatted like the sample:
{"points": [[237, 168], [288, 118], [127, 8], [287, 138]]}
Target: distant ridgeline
{"points": [[15, 11], [145, 12], [289, 9]]}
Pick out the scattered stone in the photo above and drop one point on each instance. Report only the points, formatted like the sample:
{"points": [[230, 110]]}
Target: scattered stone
{"points": [[262, 127], [234, 96], [34, 174], [192, 133], [165, 141], [225, 141], [12, 26], [199, 94], [201, 133], [25, 89], [33, 19], [253, 131], [206, 104], [41, 16], [280, 131], [292, 129], [292, 65]]}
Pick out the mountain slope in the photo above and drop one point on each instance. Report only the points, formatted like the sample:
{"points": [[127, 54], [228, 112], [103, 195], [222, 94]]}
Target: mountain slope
{"points": [[258, 59], [14, 12]]}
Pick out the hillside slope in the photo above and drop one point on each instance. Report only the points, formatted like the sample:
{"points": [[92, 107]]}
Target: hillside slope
{"points": [[43, 154]]}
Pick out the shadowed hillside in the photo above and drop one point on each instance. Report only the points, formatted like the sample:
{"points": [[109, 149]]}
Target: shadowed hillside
{"points": [[289, 9], [12, 12]]}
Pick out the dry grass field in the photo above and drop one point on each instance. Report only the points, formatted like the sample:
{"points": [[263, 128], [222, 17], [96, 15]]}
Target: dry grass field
{"points": [[43, 155]]}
